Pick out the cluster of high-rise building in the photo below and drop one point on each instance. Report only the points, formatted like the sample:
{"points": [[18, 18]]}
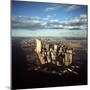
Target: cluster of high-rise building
{"points": [[56, 54]]}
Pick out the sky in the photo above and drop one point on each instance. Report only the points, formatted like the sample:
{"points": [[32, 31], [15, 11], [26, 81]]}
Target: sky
{"points": [[48, 19]]}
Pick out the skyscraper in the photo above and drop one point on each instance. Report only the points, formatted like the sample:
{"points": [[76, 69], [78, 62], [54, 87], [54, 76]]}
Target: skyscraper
{"points": [[55, 47], [68, 58], [38, 45]]}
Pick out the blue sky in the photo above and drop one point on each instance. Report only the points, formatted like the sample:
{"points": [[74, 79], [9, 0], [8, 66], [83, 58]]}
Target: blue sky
{"points": [[31, 17]]}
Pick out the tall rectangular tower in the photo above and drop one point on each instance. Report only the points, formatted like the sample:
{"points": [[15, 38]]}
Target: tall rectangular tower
{"points": [[38, 46], [68, 58]]}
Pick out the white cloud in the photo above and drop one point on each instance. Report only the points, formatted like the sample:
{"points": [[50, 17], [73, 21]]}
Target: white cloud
{"points": [[35, 23], [71, 8], [66, 8], [53, 8], [48, 17], [50, 9]]}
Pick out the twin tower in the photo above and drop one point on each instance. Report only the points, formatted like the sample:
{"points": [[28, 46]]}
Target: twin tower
{"points": [[59, 55]]}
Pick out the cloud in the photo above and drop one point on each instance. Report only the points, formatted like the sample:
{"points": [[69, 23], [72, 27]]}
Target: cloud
{"points": [[71, 8], [23, 22], [50, 9], [76, 23], [48, 17], [53, 8], [66, 8], [35, 23]]}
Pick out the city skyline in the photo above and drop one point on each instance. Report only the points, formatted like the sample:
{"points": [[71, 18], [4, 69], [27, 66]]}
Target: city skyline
{"points": [[36, 19]]}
